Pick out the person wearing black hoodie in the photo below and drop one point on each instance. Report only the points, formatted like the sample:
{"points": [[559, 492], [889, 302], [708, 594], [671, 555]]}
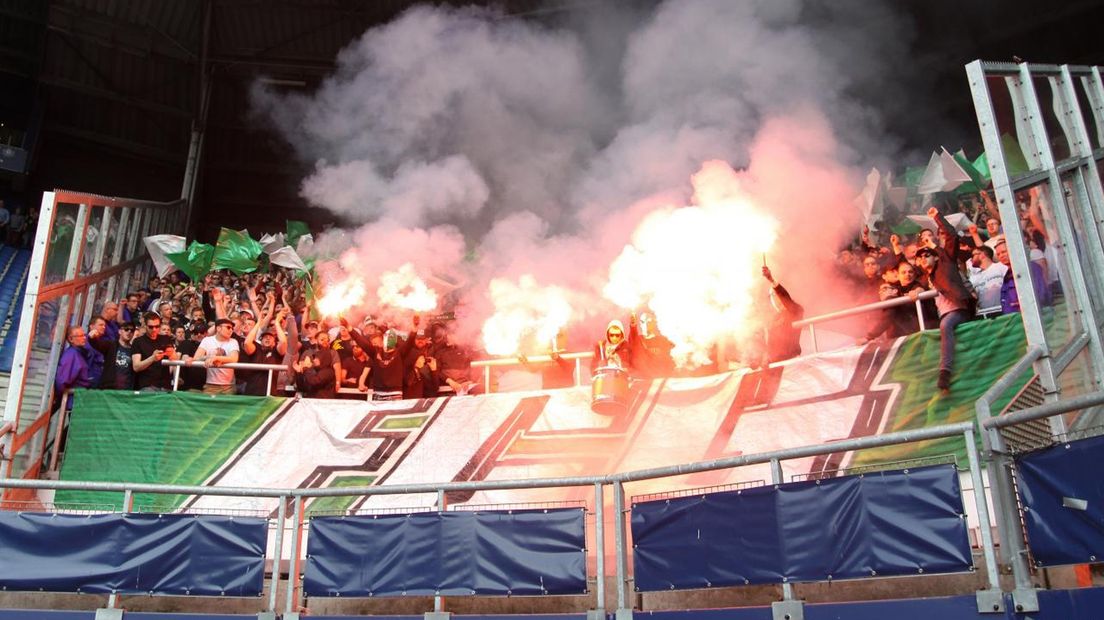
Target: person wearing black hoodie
{"points": [[783, 339]]}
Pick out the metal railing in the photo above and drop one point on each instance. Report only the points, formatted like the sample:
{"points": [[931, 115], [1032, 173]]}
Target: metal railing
{"points": [[176, 365], [299, 496]]}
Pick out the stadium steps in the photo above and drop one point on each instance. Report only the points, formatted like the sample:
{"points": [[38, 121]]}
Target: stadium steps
{"points": [[13, 284]]}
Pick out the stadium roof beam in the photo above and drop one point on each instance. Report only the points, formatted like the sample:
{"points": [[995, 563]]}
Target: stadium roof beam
{"points": [[135, 148]]}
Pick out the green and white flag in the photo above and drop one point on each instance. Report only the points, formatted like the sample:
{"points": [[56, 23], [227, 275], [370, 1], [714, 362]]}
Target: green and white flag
{"points": [[236, 251]]}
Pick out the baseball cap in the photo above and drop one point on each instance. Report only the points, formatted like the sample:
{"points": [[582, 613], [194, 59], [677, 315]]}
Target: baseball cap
{"points": [[925, 251]]}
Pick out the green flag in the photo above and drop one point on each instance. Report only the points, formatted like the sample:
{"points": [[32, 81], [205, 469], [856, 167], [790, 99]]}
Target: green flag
{"points": [[295, 230], [913, 174], [907, 227], [1013, 156], [236, 251], [981, 166], [977, 182], [195, 261]]}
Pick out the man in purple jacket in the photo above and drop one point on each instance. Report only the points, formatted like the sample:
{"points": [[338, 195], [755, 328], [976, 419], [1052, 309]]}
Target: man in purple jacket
{"points": [[76, 365]]}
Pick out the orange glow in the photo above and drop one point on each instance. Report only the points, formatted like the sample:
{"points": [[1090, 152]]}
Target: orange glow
{"points": [[403, 288], [697, 266], [340, 297], [525, 314]]}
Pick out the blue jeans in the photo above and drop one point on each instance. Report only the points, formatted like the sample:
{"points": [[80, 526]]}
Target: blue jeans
{"points": [[947, 324]]}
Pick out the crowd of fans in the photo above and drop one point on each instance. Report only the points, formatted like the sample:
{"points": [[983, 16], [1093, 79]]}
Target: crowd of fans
{"points": [[970, 270], [17, 225], [256, 319], [266, 319]]}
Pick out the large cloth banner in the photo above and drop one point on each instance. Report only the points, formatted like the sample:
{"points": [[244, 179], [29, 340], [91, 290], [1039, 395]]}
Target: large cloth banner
{"points": [[257, 442]]}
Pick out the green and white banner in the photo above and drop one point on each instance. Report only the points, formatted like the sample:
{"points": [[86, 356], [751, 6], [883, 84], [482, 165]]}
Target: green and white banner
{"points": [[239, 441]]}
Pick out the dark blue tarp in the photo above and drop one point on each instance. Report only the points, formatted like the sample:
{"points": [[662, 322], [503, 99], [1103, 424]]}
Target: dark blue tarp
{"points": [[449, 553], [132, 554], [1063, 496], [884, 523]]}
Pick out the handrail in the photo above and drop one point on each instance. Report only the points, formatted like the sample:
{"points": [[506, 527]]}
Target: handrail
{"points": [[878, 305], [234, 365], [1046, 410]]}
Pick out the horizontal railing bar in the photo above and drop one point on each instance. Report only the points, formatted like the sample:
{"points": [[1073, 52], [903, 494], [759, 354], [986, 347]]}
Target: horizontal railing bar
{"points": [[1006, 381], [536, 359], [235, 365], [1066, 356], [878, 305], [1046, 410]]}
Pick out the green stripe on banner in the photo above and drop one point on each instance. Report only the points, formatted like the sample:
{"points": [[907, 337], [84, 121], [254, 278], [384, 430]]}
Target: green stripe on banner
{"points": [[984, 351], [404, 423], [338, 505], [174, 438]]}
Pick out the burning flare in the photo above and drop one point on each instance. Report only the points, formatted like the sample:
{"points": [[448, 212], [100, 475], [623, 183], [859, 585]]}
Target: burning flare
{"points": [[696, 266], [403, 288], [525, 314], [340, 297]]}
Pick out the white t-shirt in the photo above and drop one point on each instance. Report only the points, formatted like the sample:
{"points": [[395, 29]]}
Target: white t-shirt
{"points": [[987, 283], [215, 347]]}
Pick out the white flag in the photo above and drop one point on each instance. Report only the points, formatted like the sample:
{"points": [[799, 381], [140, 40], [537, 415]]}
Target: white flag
{"points": [[872, 199], [287, 257], [271, 243], [942, 174], [160, 245]]}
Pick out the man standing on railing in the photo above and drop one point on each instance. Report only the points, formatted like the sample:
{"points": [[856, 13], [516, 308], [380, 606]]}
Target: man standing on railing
{"points": [[955, 302], [216, 351]]}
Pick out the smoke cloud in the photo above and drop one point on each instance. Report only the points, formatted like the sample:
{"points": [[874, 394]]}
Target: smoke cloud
{"points": [[478, 147]]}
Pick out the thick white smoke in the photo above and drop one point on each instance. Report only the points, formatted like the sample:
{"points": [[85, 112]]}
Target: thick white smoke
{"points": [[480, 146]]}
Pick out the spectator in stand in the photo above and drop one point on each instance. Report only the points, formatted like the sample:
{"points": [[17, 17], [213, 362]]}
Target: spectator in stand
{"points": [[165, 309], [613, 350], [95, 335], [422, 376], [343, 342], [1009, 296], [314, 379], [269, 349], [386, 363], [310, 335], [651, 350], [110, 314], [75, 367], [118, 371], [987, 278], [355, 369], [891, 322], [453, 364], [5, 220], [783, 340], [192, 378], [18, 228], [871, 279], [326, 355], [955, 302], [215, 352], [130, 311], [149, 350]]}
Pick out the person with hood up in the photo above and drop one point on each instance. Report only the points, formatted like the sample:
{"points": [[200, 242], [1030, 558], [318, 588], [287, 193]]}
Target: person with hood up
{"points": [[613, 350]]}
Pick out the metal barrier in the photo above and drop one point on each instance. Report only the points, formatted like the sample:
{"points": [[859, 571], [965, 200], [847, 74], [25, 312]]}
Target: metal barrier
{"points": [[86, 251], [298, 497]]}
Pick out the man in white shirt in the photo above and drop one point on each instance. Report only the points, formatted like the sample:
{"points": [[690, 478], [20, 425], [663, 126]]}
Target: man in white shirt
{"points": [[216, 351], [986, 277]]}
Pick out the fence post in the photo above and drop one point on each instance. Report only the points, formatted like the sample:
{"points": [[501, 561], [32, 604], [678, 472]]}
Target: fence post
{"points": [[439, 601], [920, 315], [777, 479], [293, 565], [278, 554], [624, 611], [599, 611], [62, 414], [991, 599]]}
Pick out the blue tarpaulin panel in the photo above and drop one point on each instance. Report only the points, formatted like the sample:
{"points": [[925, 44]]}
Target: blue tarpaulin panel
{"points": [[448, 553], [132, 554], [878, 524], [1063, 502]]}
